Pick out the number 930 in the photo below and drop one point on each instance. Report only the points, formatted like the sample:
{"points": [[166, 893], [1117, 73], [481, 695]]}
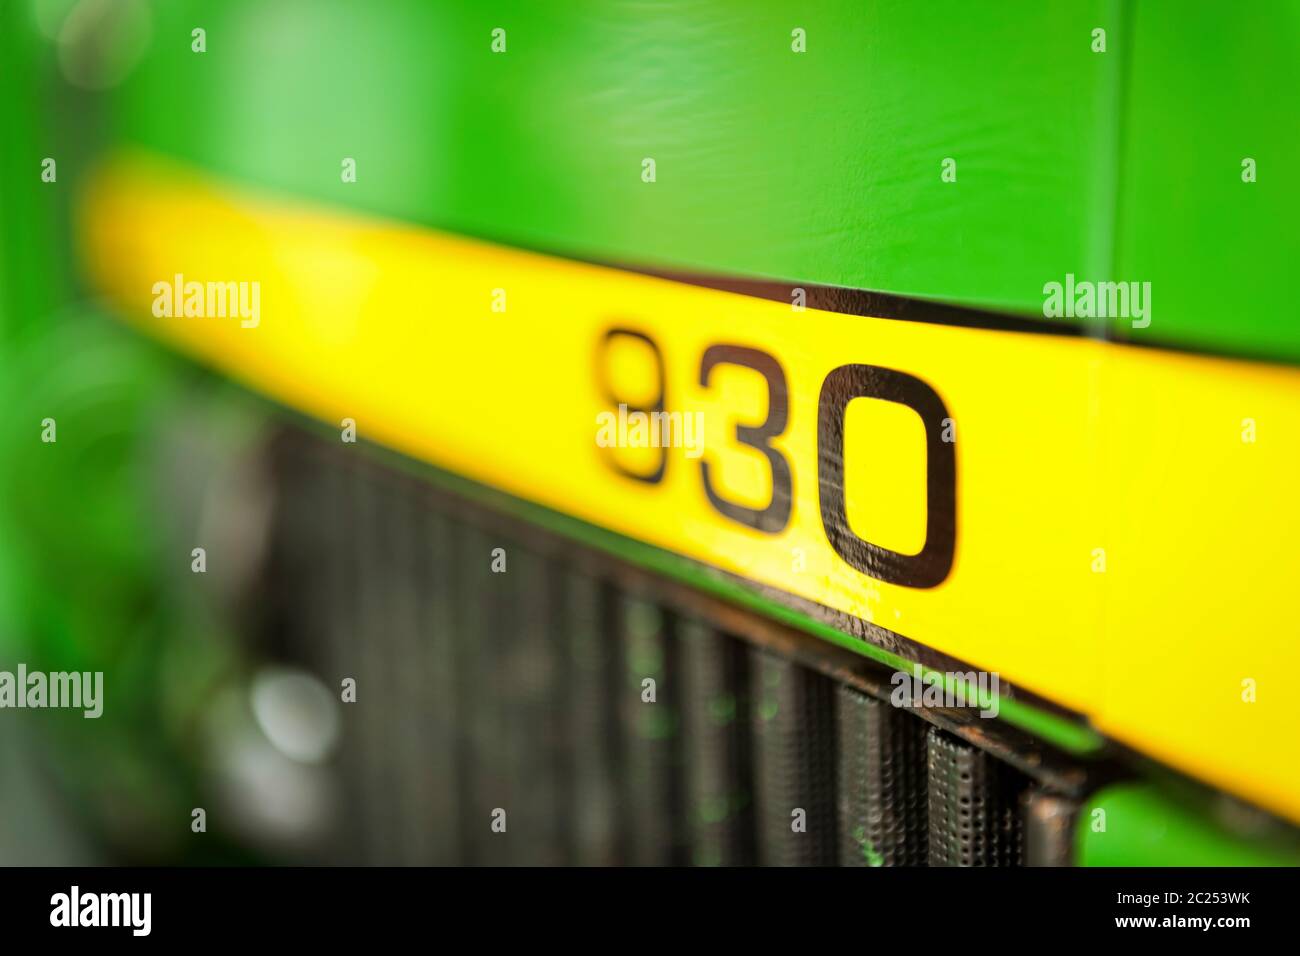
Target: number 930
{"points": [[924, 569]]}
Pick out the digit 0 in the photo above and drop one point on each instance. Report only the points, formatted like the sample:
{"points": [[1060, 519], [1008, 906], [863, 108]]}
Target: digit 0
{"points": [[931, 566]]}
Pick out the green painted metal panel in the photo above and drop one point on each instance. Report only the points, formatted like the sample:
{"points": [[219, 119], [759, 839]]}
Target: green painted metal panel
{"points": [[1138, 824], [32, 279], [821, 166], [1211, 85]]}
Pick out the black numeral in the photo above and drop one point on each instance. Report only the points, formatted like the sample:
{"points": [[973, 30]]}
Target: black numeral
{"points": [[776, 515], [926, 569], [602, 376], [931, 566]]}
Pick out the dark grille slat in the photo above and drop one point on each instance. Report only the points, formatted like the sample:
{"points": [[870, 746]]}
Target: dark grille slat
{"points": [[1049, 828], [310, 559], [882, 783], [411, 713], [338, 612], [718, 770], [373, 647], [441, 706], [482, 598], [974, 806], [529, 662], [594, 690], [794, 762], [652, 780]]}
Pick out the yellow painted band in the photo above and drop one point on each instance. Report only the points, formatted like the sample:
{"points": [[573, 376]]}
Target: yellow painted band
{"points": [[1126, 519]]}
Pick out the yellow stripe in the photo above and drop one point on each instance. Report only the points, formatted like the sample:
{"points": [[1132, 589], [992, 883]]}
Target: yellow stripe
{"points": [[1064, 446]]}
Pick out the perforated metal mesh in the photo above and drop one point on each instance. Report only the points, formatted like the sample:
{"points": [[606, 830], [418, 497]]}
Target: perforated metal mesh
{"points": [[974, 806], [882, 783], [794, 767], [716, 737]]}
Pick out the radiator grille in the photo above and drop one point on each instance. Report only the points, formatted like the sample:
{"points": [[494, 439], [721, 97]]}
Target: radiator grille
{"points": [[974, 806], [609, 726], [882, 783]]}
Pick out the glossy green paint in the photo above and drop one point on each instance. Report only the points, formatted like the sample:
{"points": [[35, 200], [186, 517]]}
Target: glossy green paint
{"points": [[1210, 85], [32, 279], [819, 166], [1143, 824]]}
